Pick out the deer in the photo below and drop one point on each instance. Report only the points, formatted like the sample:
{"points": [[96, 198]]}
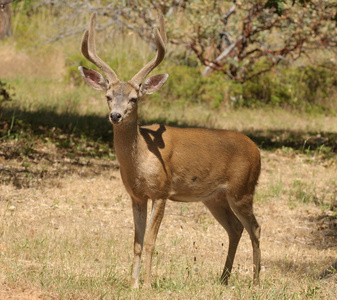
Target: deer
{"points": [[218, 167]]}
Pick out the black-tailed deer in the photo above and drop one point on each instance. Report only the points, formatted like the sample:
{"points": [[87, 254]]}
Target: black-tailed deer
{"points": [[218, 167]]}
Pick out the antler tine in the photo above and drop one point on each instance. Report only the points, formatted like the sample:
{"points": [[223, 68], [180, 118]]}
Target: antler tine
{"points": [[160, 39], [89, 51], [162, 29]]}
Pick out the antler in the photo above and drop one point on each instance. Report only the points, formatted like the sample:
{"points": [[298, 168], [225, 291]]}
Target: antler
{"points": [[89, 51], [160, 39]]}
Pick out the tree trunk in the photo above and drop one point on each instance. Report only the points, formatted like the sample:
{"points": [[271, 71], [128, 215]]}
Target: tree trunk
{"points": [[5, 19]]}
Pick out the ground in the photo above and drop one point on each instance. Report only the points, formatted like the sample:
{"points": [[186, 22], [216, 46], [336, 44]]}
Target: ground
{"points": [[67, 231]]}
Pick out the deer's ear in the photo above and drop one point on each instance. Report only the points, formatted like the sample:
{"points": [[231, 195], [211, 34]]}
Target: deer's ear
{"points": [[153, 84], [94, 79]]}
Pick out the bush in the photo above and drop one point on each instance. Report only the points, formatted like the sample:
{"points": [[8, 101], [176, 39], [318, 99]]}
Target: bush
{"points": [[304, 87]]}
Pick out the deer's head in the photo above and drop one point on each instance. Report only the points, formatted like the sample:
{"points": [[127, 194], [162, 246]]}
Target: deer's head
{"points": [[122, 96]]}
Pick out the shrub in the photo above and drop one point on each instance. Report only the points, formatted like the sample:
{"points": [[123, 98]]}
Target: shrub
{"points": [[299, 88]]}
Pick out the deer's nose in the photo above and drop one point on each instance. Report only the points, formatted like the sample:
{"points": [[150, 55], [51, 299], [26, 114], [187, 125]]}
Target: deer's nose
{"points": [[115, 117]]}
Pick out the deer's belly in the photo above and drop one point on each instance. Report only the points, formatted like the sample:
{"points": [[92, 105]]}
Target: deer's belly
{"points": [[197, 194]]}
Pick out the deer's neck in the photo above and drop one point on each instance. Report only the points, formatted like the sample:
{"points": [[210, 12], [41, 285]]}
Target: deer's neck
{"points": [[127, 143]]}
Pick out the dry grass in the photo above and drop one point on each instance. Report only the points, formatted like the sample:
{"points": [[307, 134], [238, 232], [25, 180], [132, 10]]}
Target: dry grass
{"points": [[67, 233]]}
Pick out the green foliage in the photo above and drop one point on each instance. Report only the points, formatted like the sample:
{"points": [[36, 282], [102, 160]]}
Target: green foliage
{"points": [[186, 86], [213, 90], [301, 88], [316, 83], [306, 87]]}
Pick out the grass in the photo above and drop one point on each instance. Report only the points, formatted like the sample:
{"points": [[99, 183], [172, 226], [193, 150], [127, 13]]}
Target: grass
{"points": [[68, 235], [66, 228]]}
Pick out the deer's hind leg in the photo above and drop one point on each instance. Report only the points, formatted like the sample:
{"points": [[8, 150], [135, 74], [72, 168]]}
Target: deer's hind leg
{"points": [[222, 212], [243, 209]]}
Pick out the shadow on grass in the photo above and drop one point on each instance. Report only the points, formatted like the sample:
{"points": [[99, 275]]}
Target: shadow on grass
{"points": [[46, 123], [309, 269], [296, 140]]}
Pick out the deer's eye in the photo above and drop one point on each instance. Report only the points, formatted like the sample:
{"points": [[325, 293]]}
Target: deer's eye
{"points": [[133, 100], [108, 98]]}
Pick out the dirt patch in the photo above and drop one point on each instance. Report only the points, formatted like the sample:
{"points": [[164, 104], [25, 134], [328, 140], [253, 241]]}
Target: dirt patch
{"points": [[7, 293]]}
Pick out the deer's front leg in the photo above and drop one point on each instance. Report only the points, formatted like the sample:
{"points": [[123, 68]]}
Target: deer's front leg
{"points": [[139, 216], [157, 214]]}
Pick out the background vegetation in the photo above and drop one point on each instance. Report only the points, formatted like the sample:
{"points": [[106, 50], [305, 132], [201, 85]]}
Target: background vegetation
{"points": [[60, 188], [41, 59]]}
